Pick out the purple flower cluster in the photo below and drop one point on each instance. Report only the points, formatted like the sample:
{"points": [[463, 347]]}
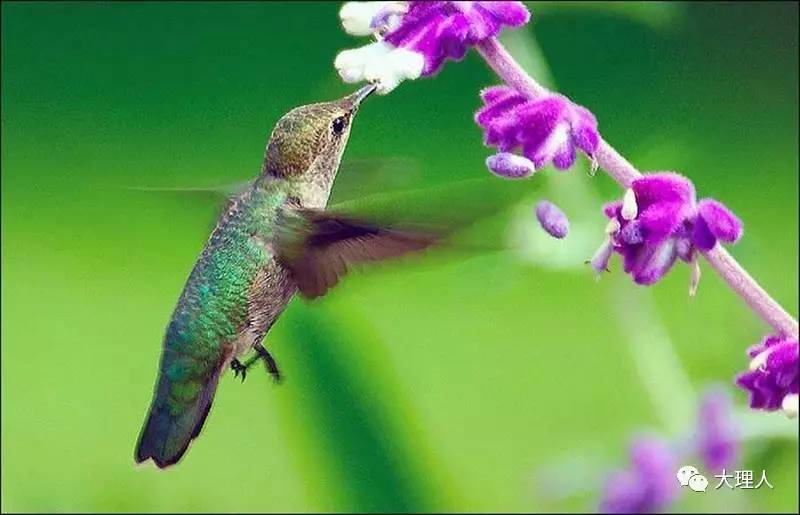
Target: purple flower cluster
{"points": [[546, 129], [773, 377], [648, 486], [445, 30], [716, 436], [416, 38], [659, 221]]}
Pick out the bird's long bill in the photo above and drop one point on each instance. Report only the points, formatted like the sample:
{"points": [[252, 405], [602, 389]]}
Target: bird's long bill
{"points": [[356, 98]]}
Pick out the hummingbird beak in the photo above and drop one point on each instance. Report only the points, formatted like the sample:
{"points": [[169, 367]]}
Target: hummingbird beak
{"points": [[356, 98]]}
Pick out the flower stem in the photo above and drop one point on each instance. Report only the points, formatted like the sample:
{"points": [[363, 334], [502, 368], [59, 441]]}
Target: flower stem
{"points": [[756, 297], [507, 68], [624, 173]]}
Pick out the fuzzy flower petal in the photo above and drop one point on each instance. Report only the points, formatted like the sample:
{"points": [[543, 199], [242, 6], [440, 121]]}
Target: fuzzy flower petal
{"points": [[773, 374], [431, 31], [648, 486], [360, 18], [547, 129], [552, 219], [663, 187], [716, 436], [651, 263], [510, 166], [444, 30], [715, 222], [659, 221], [379, 63]]}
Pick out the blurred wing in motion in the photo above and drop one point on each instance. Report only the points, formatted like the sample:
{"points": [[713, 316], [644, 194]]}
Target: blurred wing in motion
{"points": [[218, 196], [217, 193], [319, 248], [360, 177]]}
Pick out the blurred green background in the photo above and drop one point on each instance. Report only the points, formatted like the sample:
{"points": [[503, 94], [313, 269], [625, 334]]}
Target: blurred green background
{"points": [[431, 384]]}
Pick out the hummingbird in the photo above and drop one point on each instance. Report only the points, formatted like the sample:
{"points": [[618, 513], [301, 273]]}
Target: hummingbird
{"points": [[274, 239]]}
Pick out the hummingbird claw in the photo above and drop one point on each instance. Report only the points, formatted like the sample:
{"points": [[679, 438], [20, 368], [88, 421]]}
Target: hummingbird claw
{"points": [[238, 368], [262, 354], [269, 362]]}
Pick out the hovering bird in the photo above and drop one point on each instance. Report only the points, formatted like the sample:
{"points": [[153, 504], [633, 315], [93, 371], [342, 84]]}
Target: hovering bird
{"points": [[273, 240]]}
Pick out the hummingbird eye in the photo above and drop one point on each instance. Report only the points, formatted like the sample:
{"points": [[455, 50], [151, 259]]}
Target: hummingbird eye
{"points": [[338, 125]]}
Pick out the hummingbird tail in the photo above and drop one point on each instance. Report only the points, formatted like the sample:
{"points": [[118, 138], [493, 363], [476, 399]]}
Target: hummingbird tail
{"points": [[168, 431]]}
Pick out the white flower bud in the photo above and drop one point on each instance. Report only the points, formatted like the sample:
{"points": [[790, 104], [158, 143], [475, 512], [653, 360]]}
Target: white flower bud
{"points": [[357, 16], [379, 63]]}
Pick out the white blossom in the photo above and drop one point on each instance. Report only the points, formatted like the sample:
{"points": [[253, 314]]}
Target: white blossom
{"points": [[358, 17], [379, 63]]}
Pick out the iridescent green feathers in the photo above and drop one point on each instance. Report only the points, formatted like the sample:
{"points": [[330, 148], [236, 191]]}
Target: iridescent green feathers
{"points": [[271, 240], [211, 314]]}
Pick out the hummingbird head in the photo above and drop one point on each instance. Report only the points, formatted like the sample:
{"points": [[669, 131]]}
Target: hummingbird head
{"points": [[307, 143]]}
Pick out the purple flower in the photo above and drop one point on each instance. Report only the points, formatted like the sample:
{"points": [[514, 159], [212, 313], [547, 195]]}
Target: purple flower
{"points": [[547, 129], [510, 166], [773, 377], [716, 436], [444, 30], [415, 38], [648, 486], [659, 221], [552, 219]]}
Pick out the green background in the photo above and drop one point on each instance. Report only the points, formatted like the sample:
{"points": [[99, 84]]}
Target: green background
{"points": [[431, 384]]}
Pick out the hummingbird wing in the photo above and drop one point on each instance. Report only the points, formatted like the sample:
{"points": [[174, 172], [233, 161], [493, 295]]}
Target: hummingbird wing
{"points": [[319, 248]]}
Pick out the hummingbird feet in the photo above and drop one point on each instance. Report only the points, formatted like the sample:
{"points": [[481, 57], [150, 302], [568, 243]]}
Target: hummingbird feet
{"points": [[238, 368], [269, 362], [263, 354]]}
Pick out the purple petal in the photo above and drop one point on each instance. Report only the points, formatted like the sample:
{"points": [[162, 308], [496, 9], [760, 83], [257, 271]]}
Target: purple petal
{"points": [[776, 378], [659, 221], [649, 486], [685, 249], [631, 233], [482, 24], [653, 458], [552, 219], [599, 261], [549, 129], [444, 30], [564, 156], [512, 14], [702, 236], [783, 356], [495, 93], [500, 107], [537, 119], [584, 129], [623, 493], [663, 187], [651, 262], [720, 221], [716, 431], [612, 209]]}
